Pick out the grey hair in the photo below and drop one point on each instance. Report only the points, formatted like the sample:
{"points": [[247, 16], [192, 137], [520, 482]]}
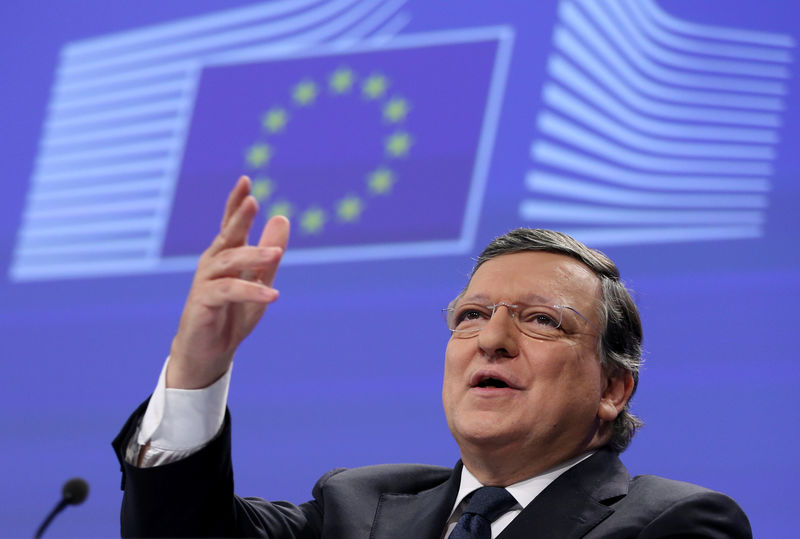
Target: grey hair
{"points": [[621, 342]]}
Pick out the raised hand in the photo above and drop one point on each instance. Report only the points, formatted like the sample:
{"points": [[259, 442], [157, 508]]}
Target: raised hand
{"points": [[231, 289]]}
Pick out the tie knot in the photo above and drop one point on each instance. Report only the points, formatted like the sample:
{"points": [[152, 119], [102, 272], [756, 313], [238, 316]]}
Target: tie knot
{"points": [[490, 502]]}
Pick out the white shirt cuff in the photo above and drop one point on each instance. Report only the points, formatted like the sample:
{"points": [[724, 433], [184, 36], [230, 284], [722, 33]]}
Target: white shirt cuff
{"points": [[179, 422]]}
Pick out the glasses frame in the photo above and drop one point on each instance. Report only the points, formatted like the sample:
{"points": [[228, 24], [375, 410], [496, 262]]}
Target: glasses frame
{"points": [[513, 311]]}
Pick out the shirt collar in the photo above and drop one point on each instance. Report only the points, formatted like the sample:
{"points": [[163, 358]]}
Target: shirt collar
{"points": [[523, 491]]}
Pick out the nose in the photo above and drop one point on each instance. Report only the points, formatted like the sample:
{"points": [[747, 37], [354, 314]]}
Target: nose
{"points": [[499, 337]]}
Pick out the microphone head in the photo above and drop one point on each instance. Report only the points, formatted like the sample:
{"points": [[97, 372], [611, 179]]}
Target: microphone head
{"points": [[75, 491]]}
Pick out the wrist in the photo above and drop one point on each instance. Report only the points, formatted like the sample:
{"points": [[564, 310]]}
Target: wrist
{"points": [[185, 373]]}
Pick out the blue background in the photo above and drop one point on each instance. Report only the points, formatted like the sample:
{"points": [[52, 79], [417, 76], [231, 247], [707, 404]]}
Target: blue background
{"points": [[345, 369]]}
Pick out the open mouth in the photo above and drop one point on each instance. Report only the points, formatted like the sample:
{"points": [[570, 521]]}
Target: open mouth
{"points": [[492, 379], [492, 382]]}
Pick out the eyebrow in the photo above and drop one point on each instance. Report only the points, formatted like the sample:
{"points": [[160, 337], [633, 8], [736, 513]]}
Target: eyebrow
{"points": [[530, 299]]}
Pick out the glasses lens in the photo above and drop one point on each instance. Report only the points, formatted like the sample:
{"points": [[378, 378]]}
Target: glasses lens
{"points": [[468, 318], [539, 320]]}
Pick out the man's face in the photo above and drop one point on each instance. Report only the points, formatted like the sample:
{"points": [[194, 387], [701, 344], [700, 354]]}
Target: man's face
{"points": [[549, 409]]}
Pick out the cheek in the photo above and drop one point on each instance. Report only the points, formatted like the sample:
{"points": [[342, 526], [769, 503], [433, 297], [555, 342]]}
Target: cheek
{"points": [[454, 366], [456, 355], [569, 373], [585, 381], [449, 362]]}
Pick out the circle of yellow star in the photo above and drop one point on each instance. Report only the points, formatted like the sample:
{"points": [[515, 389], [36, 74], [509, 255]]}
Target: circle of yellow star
{"points": [[395, 110], [398, 144], [341, 81], [380, 181], [375, 86], [262, 188], [304, 93], [349, 209], [259, 154], [280, 208], [312, 220], [274, 120]]}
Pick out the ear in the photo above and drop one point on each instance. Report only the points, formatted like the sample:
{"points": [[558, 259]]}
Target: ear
{"points": [[616, 393]]}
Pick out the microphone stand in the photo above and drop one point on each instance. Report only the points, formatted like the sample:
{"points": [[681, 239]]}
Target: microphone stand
{"points": [[56, 510], [73, 492]]}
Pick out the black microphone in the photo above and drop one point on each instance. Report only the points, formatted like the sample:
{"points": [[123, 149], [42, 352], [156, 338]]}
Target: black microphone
{"points": [[73, 493]]}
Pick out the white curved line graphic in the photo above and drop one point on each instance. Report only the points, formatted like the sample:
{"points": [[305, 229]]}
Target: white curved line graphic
{"points": [[563, 71], [702, 46], [561, 100], [677, 25]]}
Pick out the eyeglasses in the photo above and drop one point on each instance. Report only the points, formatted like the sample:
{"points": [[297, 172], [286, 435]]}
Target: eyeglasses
{"points": [[538, 321]]}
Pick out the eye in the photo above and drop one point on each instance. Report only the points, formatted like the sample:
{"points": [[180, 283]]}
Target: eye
{"points": [[470, 315], [541, 319], [546, 320]]}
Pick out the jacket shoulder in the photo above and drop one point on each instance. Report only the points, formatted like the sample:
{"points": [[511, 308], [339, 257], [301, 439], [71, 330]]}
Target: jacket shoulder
{"points": [[395, 478], [666, 489], [659, 507], [350, 498]]}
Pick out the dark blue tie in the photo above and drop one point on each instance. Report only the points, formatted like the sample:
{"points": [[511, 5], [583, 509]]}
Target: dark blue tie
{"points": [[486, 504]]}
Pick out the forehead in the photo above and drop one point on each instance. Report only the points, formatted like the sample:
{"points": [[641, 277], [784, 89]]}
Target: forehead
{"points": [[536, 275]]}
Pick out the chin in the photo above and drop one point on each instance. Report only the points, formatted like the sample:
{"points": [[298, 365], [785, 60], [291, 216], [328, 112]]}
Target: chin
{"points": [[486, 432]]}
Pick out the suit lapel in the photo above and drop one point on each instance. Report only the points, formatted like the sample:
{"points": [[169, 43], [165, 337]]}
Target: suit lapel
{"points": [[574, 503], [569, 507], [421, 515]]}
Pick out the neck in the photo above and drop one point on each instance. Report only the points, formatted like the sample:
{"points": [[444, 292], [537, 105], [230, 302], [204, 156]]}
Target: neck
{"points": [[547, 475], [505, 465], [501, 470]]}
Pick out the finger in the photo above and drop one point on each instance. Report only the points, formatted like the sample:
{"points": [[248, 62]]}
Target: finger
{"points": [[235, 198], [228, 290], [275, 234], [237, 228], [233, 262]]}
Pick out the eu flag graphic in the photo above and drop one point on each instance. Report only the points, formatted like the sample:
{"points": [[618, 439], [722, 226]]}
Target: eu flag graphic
{"points": [[368, 148]]}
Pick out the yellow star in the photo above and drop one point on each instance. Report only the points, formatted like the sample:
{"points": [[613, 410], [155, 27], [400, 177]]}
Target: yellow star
{"points": [[259, 154], [380, 181], [349, 209], [274, 120], [312, 220], [262, 188], [304, 93], [398, 144], [281, 208], [396, 109], [375, 86], [341, 81]]}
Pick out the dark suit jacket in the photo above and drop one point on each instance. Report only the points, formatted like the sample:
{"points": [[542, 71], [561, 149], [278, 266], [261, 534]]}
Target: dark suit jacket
{"points": [[597, 498]]}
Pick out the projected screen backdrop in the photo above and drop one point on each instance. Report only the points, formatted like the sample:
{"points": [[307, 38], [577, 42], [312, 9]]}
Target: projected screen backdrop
{"points": [[399, 136]]}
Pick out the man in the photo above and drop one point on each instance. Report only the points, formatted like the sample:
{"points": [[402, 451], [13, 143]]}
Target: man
{"points": [[542, 362]]}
